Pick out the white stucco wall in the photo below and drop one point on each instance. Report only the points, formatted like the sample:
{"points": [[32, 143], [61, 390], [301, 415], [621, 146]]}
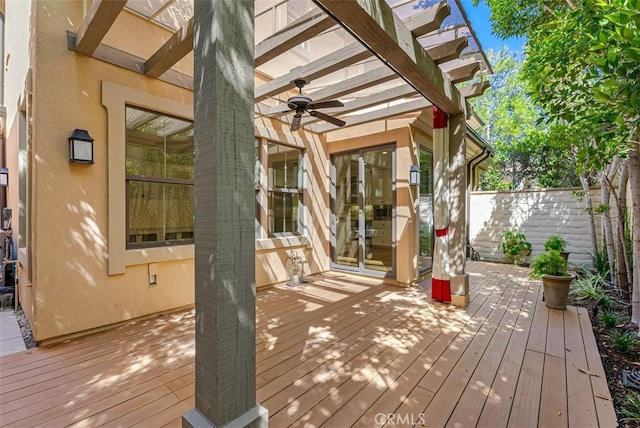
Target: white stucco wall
{"points": [[16, 55], [537, 214]]}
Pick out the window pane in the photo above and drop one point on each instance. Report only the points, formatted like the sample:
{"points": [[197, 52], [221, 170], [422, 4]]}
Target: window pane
{"points": [[284, 162], [159, 212], [158, 145], [283, 209], [285, 187], [426, 211], [159, 169]]}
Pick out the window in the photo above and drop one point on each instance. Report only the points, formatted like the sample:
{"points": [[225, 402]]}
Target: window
{"points": [[285, 189], [159, 179]]}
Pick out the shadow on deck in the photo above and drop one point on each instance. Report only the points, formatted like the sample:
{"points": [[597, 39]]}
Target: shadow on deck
{"points": [[341, 351]]}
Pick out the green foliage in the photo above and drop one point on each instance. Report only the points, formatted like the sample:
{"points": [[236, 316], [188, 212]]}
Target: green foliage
{"points": [[515, 246], [594, 87], [631, 411], [549, 263], [525, 154], [624, 341], [601, 209], [600, 263], [494, 179], [605, 302], [589, 287], [555, 242], [609, 319]]}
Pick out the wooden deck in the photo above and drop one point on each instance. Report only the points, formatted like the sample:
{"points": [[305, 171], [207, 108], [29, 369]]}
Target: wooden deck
{"points": [[340, 351]]}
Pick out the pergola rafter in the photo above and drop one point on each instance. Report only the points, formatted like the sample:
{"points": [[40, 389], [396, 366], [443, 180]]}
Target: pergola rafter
{"points": [[374, 25], [380, 114], [100, 17], [300, 30], [463, 72], [176, 48], [386, 96]]}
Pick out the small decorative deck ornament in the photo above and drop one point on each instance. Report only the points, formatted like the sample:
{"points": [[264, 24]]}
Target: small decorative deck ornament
{"points": [[295, 269]]}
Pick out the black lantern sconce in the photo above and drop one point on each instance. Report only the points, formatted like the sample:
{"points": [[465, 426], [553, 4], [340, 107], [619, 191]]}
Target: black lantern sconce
{"points": [[80, 147], [4, 177], [414, 176]]}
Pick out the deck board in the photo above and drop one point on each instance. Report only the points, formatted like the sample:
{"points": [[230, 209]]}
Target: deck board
{"points": [[499, 399], [339, 351], [578, 382]]}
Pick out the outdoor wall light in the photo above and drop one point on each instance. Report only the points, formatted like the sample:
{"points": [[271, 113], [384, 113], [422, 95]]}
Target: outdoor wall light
{"points": [[4, 177], [80, 147], [414, 176]]}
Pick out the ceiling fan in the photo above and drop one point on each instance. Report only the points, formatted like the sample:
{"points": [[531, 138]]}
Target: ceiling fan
{"points": [[300, 104]]}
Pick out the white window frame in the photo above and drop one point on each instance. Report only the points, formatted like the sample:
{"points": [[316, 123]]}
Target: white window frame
{"points": [[299, 190]]}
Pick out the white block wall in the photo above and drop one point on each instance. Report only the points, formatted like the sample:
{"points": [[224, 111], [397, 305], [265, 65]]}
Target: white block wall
{"points": [[536, 213]]}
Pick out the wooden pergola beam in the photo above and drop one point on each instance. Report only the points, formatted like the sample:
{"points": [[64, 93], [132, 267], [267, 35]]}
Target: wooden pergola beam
{"points": [[176, 48], [474, 90], [463, 72], [328, 64], [447, 51], [354, 84], [300, 30], [376, 26], [371, 100], [384, 113], [100, 17]]}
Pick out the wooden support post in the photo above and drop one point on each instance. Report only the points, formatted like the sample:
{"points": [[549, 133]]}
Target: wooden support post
{"points": [[224, 217], [440, 283], [457, 211]]}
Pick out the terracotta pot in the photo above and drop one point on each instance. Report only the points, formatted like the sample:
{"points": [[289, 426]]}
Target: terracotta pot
{"points": [[556, 290]]}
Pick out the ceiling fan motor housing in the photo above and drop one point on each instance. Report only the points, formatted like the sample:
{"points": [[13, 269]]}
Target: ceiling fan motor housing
{"points": [[298, 101]]}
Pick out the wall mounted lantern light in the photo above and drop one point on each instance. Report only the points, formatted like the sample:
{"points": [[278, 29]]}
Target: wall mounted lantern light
{"points": [[414, 176], [4, 177], [80, 147]]}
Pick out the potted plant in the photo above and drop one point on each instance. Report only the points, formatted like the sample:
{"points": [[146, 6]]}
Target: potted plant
{"points": [[552, 268], [515, 246], [556, 242]]}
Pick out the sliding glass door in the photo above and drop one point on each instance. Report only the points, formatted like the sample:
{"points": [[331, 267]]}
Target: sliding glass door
{"points": [[363, 207]]}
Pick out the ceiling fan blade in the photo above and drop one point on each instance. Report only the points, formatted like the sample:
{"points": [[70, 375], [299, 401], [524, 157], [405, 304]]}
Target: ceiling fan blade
{"points": [[328, 118], [295, 123], [326, 104]]}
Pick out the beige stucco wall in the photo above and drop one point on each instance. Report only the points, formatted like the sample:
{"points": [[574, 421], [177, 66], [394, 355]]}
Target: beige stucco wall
{"points": [[313, 243], [73, 291], [74, 286]]}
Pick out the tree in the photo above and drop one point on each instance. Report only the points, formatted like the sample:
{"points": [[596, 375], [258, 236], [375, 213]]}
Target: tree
{"points": [[527, 154], [582, 65]]}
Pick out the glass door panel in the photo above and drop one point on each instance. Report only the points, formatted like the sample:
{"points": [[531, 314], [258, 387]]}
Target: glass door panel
{"points": [[425, 253], [346, 249], [378, 210]]}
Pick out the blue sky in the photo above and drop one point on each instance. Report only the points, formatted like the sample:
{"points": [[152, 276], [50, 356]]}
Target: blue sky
{"points": [[479, 17]]}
